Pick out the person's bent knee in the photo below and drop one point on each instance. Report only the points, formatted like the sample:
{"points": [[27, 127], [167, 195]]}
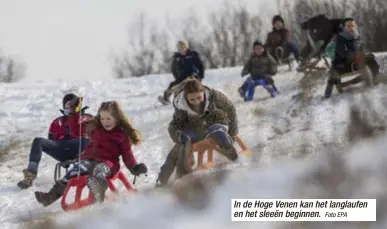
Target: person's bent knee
{"points": [[101, 170], [217, 127]]}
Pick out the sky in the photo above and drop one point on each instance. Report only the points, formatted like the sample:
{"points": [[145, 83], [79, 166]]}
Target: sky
{"points": [[74, 39]]}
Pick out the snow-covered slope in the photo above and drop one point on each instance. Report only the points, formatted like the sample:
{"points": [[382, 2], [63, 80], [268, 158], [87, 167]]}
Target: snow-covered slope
{"points": [[289, 135]]}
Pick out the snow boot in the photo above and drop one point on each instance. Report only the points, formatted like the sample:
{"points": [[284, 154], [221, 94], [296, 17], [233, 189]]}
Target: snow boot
{"points": [[53, 195], [98, 187], [29, 177], [229, 152]]}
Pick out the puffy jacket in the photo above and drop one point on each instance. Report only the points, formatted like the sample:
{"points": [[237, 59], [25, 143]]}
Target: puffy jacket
{"points": [[277, 37], [257, 65], [68, 127], [346, 46], [184, 66], [107, 146]]}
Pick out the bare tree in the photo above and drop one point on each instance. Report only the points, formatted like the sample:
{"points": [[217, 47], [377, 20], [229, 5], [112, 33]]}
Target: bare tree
{"points": [[224, 38], [11, 70]]}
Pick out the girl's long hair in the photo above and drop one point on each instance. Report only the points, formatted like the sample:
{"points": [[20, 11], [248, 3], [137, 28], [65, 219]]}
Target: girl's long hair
{"points": [[122, 121]]}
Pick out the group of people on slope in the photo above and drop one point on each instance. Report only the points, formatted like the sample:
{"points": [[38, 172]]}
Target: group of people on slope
{"points": [[261, 66], [98, 142], [200, 112]]}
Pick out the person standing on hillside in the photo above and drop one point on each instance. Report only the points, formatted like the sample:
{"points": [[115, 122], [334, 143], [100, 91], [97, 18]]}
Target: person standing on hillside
{"points": [[66, 138], [185, 63]]}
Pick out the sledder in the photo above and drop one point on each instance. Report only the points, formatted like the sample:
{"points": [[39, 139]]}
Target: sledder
{"points": [[350, 59], [186, 63], [111, 136], [200, 113], [261, 68], [64, 141], [278, 43]]}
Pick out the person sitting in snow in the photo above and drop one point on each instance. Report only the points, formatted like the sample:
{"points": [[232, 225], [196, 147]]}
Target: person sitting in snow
{"points": [[185, 63], [111, 136], [200, 112], [347, 50], [261, 68], [66, 139], [279, 37]]}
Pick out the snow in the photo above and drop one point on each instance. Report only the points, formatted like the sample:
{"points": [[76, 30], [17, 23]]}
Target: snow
{"points": [[276, 129]]}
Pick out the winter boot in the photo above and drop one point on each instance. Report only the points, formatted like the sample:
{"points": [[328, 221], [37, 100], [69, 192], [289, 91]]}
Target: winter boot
{"points": [[29, 177], [98, 187], [229, 152], [225, 143], [53, 195]]}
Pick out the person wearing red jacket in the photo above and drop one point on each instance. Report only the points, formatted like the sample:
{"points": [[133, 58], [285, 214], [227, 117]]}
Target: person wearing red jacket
{"points": [[66, 138], [110, 136]]}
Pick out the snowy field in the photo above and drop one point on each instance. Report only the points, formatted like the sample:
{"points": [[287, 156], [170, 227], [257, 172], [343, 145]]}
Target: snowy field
{"points": [[293, 138]]}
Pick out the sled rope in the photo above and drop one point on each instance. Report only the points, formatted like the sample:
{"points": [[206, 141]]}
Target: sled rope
{"points": [[80, 138]]}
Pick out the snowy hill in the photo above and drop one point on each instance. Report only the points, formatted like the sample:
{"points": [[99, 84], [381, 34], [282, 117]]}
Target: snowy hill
{"points": [[291, 136]]}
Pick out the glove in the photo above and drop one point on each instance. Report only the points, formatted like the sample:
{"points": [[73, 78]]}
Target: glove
{"points": [[139, 169]]}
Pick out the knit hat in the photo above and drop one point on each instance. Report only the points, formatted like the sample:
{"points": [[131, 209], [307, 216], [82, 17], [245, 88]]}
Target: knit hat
{"points": [[277, 18], [68, 97], [257, 43], [345, 20]]}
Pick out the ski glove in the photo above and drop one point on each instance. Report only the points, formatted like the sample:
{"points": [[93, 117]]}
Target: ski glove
{"points": [[139, 169]]}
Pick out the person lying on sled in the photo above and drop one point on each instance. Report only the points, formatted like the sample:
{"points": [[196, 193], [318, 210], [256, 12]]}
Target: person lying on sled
{"points": [[200, 112], [261, 67], [346, 44], [111, 136], [64, 139]]}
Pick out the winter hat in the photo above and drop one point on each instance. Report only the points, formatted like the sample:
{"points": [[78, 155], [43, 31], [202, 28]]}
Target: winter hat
{"points": [[257, 43], [277, 18], [68, 97], [345, 20]]}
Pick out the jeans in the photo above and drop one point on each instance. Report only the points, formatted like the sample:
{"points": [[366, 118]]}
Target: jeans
{"points": [[61, 150]]}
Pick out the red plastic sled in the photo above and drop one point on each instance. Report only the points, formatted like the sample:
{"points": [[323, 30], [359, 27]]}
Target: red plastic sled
{"points": [[80, 183]]}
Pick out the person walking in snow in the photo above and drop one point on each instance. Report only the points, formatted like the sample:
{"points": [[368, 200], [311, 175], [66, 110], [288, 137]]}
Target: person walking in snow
{"points": [[111, 136], [185, 63], [200, 112], [65, 141], [261, 68], [279, 37]]}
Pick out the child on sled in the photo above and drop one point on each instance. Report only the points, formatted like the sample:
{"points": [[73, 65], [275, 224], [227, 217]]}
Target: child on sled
{"points": [[348, 56], [261, 67], [110, 136]]}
